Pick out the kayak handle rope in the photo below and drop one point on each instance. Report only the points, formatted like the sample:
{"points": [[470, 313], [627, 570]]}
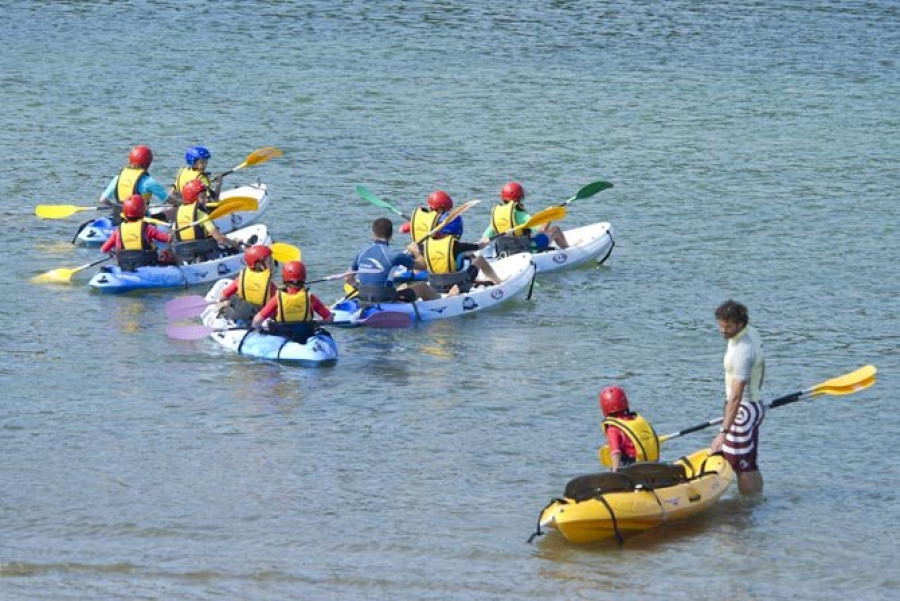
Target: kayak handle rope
{"points": [[531, 286], [615, 522], [609, 252], [538, 532]]}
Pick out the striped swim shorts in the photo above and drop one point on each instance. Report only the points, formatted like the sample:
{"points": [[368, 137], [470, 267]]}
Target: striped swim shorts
{"points": [[742, 439]]}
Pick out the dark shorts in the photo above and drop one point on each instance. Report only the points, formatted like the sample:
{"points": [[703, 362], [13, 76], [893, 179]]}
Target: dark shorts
{"points": [[742, 439]]}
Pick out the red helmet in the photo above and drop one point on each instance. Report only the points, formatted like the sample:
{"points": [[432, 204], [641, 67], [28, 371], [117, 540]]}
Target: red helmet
{"points": [[257, 254], [613, 400], [512, 192], [192, 190], [133, 207], [440, 201], [141, 156], [293, 272]]}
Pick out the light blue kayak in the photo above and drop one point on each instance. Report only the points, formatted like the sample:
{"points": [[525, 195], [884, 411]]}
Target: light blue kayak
{"points": [[319, 350]]}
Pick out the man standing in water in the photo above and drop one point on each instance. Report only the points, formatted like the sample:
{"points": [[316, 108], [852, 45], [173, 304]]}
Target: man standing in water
{"points": [[745, 369]]}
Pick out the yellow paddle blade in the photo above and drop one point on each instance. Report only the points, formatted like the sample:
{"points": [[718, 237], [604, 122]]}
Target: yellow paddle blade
{"points": [[540, 218], [237, 204], [63, 275], [605, 456], [60, 275], [231, 200], [59, 211], [283, 252], [850, 380], [844, 390], [258, 156]]}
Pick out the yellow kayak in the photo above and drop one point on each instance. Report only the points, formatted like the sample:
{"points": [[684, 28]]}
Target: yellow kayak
{"points": [[639, 497]]}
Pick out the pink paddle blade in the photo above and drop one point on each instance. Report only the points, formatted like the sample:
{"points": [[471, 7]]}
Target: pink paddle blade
{"points": [[184, 307]]}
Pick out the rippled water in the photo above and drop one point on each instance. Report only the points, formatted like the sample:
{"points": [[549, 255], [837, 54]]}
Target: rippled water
{"points": [[754, 150]]}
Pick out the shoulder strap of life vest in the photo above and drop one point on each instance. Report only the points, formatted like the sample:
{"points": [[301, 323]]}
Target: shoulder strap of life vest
{"points": [[640, 433]]}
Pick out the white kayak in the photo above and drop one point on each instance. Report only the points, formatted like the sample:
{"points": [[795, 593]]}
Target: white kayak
{"points": [[113, 279], [97, 231], [320, 349], [516, 273], [586, 243]]}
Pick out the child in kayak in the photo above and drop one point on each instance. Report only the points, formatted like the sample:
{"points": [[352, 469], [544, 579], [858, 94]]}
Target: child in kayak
{"points": [[132, 241], [511, 213], [291, 312], [630, 436], [253, 288]]}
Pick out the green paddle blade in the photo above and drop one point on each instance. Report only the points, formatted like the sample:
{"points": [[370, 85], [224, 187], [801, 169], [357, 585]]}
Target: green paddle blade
{"points": [[593, 188], [372, 199]]}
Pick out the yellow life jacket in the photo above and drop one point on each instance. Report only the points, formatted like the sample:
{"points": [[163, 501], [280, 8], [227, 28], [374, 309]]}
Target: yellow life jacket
{"points": [[440, 255], [641, 434], [503, 218], [422, 222], [188, 214], [293, 308], [187, 174], [129, 178], [253, 286], [132, 235]]}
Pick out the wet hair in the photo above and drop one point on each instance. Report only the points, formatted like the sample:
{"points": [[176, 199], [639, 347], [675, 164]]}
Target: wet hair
{"points": [[732, 311], [383, 228]]}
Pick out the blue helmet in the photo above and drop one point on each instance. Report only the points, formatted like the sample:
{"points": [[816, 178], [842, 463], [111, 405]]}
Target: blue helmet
{"points": [[196, 153]]}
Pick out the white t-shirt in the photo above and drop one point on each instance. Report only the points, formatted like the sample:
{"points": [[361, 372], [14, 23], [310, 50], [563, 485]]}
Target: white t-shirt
{"points": [[744, 361]]}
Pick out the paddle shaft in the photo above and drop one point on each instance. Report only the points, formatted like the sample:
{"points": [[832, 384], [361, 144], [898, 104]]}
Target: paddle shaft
{"points": [[774, 404]]}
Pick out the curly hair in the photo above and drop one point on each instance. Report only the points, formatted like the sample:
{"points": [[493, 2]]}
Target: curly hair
{"points": [[732, 311]]}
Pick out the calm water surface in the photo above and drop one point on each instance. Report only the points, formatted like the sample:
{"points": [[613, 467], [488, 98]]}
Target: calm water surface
{"points": [[754, 150]]}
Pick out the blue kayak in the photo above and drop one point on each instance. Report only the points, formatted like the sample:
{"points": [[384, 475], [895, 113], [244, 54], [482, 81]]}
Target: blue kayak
{"points": [[114, 279]]}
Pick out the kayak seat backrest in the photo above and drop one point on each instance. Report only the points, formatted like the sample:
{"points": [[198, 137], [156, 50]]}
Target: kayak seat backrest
{"points": [[443, 282], [649, 474], [239, 311], [130, 260], [506, 246], [591, 486], [197, 250]]}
